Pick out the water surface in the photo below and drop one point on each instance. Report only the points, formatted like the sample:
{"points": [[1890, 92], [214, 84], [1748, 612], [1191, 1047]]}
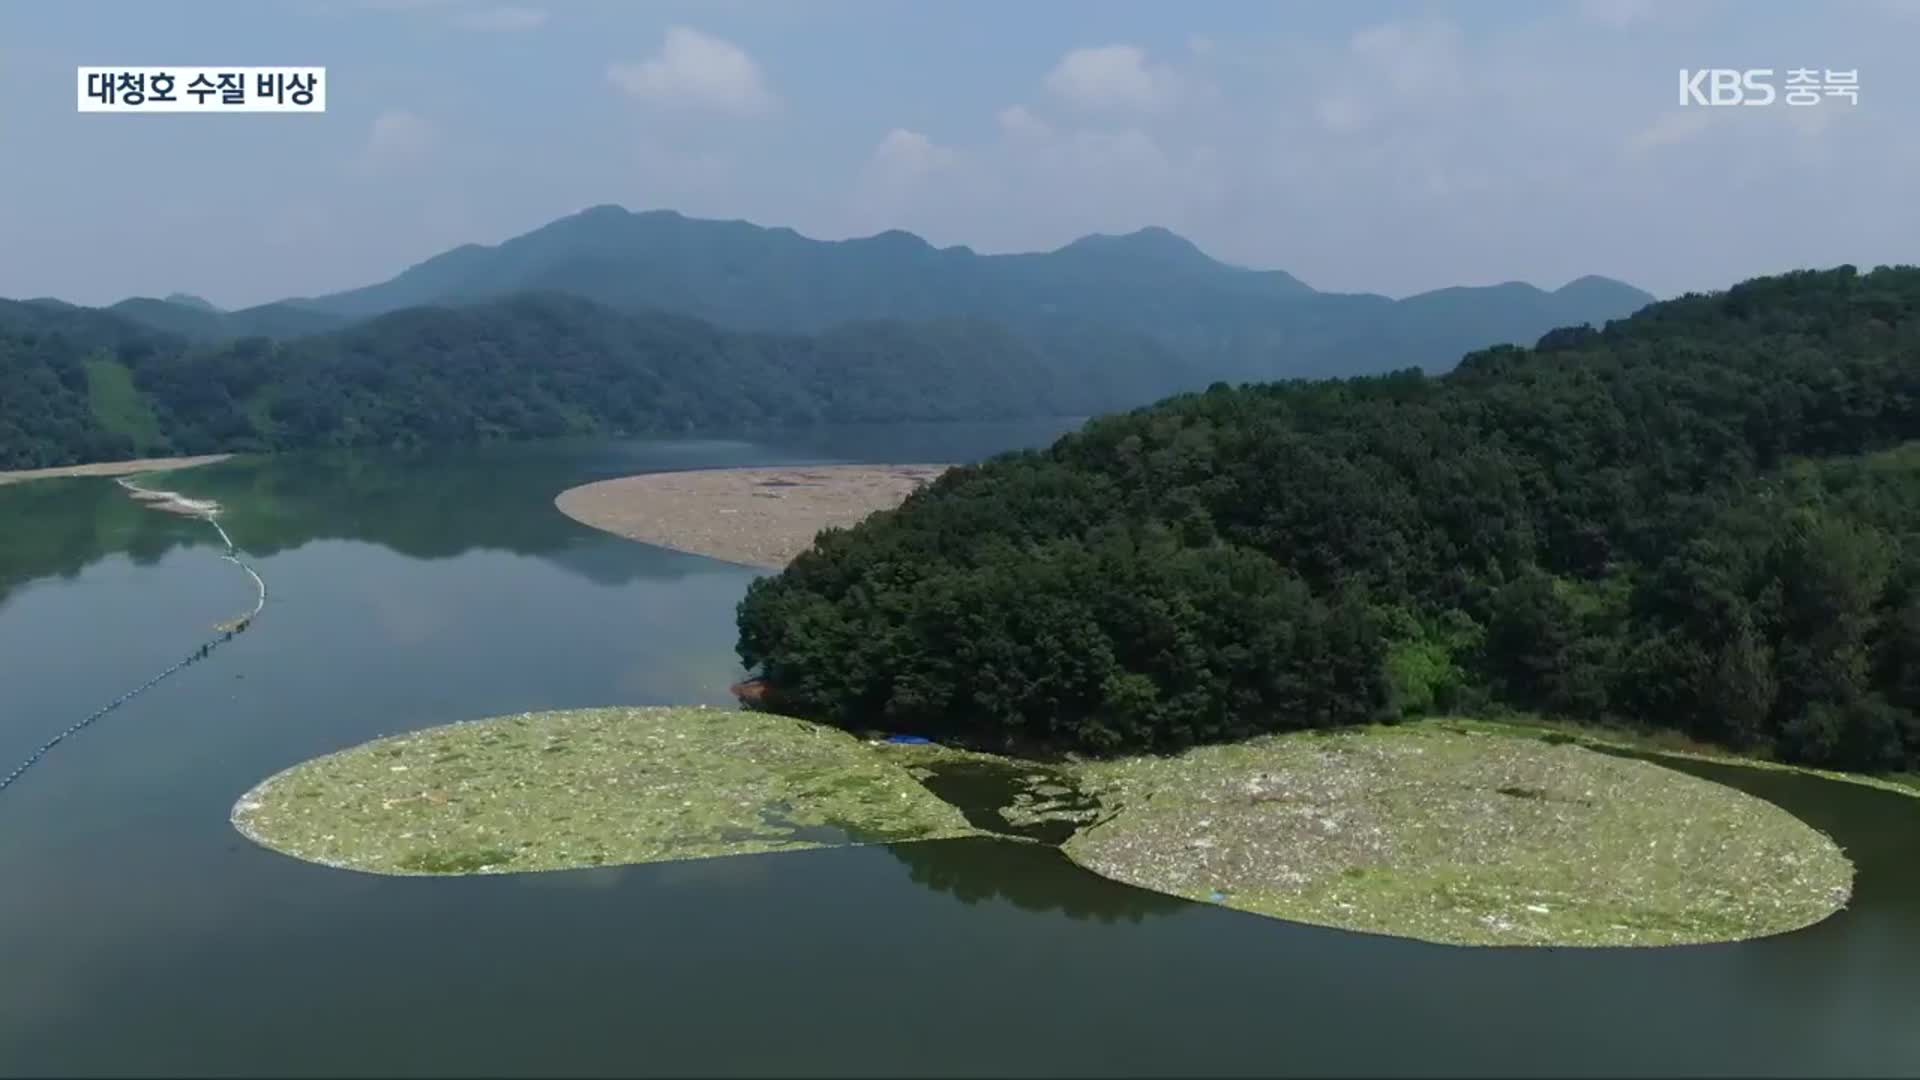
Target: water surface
{"points": [[140, 934]]}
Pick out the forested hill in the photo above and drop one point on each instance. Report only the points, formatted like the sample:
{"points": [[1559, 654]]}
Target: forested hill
{"points": [[78, 384], [202, 322], [1234, 323], [1700, 517]]}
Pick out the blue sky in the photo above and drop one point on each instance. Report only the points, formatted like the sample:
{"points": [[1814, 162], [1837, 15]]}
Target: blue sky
{"points": [[1389, 147]]}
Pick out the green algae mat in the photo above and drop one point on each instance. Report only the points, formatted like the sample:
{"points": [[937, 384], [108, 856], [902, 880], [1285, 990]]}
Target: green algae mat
{"points": [[1424, 830], [1461, 838], [592, 787]]}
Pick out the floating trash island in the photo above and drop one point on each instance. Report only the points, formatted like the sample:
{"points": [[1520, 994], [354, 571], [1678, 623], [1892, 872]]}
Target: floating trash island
{"points": [[1463, 837], [1419, 830], [592, 787]]}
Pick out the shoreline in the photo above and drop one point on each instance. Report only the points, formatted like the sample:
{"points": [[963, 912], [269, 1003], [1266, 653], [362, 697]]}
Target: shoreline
{"points": [[129, 467], [758, 517]]}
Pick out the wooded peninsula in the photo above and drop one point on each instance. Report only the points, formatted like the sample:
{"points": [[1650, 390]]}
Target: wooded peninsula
{"points": [[1700, 518]]}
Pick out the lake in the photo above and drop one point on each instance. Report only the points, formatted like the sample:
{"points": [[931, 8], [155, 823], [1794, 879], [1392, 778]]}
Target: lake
{"points": [[140, 934]]}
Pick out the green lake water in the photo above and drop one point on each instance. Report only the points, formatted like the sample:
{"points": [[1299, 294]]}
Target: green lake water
{"points": [[140, 934]]}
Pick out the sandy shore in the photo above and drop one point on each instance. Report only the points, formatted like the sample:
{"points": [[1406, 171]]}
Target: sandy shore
{"points": [[757, 517], [110, 468]]}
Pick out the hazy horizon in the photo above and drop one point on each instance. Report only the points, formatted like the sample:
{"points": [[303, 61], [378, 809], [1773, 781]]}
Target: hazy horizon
{"points": [[1546, 286], [1392, 148]]}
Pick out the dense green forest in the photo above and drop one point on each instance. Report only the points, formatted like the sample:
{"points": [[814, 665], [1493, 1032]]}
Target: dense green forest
{"points": [[80, 385], [1701, 517]]}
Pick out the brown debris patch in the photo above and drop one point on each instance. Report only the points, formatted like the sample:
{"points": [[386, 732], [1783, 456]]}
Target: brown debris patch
{"points": [[756, 517]]}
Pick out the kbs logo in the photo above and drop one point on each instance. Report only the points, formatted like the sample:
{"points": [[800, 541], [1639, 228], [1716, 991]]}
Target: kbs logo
{"points": [[1755, 86], [1726, 86]]}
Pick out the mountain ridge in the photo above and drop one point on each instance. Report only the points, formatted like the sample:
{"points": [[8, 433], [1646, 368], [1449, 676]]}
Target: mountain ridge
{"points": [[1241, 323], [1137, 294], [93, 384], [1147, 240]]}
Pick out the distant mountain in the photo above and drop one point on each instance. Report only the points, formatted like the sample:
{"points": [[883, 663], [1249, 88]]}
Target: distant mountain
{"points": [[1474, 317], [610, 321], [90, 384], [189, 300], [198, 320], [174, 318], [1222, 321], [1595, 291]]}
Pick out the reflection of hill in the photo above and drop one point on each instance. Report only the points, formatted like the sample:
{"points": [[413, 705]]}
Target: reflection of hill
{"points": [[439, 503], [427, 505], [436, 504], [424, 505], [1032, 877], [56, 528], [607, 559]]}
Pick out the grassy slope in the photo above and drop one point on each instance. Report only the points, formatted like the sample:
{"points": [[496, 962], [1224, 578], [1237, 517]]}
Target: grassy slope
{"points": [[119, 406]]}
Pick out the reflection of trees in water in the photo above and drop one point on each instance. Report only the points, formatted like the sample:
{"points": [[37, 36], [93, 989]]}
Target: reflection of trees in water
{"points": [[1032, 877], [427, 505], [437, 503], [57, 528], [434, 504]]}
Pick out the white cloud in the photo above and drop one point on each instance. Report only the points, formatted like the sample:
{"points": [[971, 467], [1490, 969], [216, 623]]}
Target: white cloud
{"points": [[1019, 122], [1113, 76], [906, 173], [697, 70], [502, 19], [399, 139], [1672, 128], [1037, 185], [1395, 71], [908, 155]]}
